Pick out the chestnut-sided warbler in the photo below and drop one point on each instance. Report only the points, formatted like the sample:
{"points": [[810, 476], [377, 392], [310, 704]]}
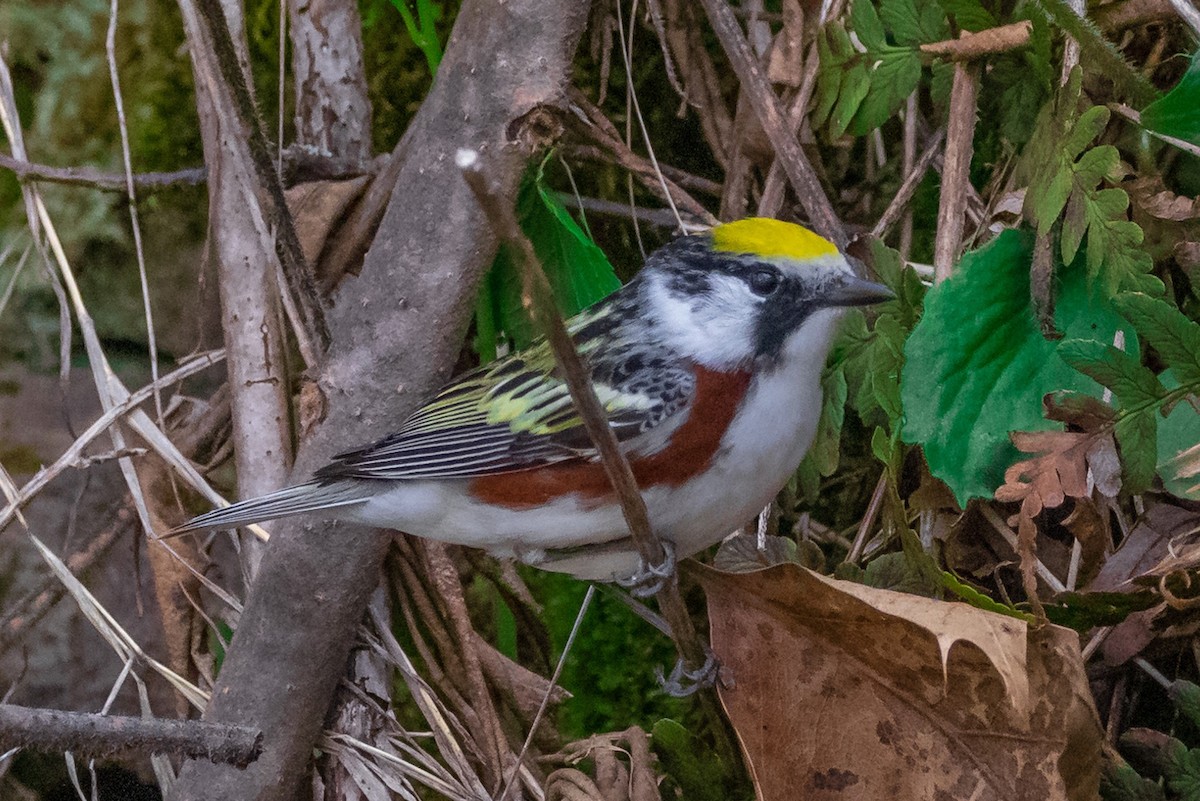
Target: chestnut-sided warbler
{"points": [[709, 366]]}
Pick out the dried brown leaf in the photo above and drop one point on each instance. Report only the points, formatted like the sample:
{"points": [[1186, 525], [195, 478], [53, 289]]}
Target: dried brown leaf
{"points": [[846, 691]]}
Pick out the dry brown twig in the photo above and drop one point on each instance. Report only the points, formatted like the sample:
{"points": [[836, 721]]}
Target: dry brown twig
{"points": [[960, 133], [774, 122]]}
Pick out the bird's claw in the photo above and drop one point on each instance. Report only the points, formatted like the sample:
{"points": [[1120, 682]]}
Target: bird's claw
{"points": [[683, 682], [650, 579]]}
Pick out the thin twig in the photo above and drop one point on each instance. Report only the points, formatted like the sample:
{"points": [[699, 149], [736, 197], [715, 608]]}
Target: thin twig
{"points": [[1010, 536], [103, 736], [539, 301], [960, 133], [904, 194], [110, 48], [766, 105], [106, 181], [868, 521]]}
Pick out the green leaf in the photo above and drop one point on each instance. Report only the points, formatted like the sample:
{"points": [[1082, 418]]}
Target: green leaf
{"points": [[1121, 782], [895, 75], [1167, 330], [1122, 372], [977, 366], [698, 774], [895, 571], [856, 83], [822, 458], [1179, 447], [1183, 774], [579, 272], [1137, 439], [866, 24], [970, 15], [1186, 697], [913, 23], [1177, 113], [979, 600]]}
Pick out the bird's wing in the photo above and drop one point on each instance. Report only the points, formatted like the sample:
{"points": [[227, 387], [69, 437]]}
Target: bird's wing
{"points": [[517, 413]]}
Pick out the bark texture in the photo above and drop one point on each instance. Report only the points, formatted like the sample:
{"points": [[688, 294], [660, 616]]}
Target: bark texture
{"points": [[395, 330], [246, 265], [333, 113]]}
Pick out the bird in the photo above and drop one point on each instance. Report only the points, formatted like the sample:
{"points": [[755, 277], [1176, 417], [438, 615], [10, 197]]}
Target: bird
{"points": [[708, 364]]}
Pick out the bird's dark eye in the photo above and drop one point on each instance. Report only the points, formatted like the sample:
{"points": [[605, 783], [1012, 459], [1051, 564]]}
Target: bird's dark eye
{"points": [[764, 282]]}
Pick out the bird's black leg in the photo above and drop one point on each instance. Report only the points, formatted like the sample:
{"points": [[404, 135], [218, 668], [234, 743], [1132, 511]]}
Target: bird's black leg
{"points": [[649, 579], [682, 682]]}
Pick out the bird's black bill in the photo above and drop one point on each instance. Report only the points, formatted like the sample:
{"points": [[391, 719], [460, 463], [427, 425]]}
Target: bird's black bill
{"points": [[854, 291]]}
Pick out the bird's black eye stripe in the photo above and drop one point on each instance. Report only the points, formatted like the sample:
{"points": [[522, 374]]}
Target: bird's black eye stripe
{"points": [[764, 280]]}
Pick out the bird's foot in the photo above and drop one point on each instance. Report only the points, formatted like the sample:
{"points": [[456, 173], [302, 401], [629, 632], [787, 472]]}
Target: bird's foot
{"points": [[683, 682], [650, 579]]}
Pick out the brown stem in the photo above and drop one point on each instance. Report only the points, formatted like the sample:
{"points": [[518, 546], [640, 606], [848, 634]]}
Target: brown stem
{"points": [[106, 736], [982, 43], [766, 105], [904, 194], [956, 169]]}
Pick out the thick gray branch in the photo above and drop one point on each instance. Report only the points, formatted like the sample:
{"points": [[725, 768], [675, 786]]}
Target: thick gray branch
{"points": [[333, 113], [395, 331]]}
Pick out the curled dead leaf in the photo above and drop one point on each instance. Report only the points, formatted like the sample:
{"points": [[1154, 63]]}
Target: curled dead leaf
{"points": [[849, 692]]}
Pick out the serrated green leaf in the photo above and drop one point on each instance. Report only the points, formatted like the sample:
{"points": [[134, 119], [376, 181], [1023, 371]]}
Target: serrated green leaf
{"points": [[1074, 226], [1091, 124], [1183, 774], [887, 359], [980, 600], [896, 74], [913, 23], [865, 22], [977, 366], [1179, 446], [856, 83], [1097, 164], [1137, 439], [1122, 783], [940, 85], [1167, 330], [970, 15], [1132, 382], [829, 79], [1051, 198], [1083, 611], [1177, 113], [823, 456]]}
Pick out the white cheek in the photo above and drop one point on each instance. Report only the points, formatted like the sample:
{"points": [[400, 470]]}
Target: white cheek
{"points": [[719, 333]]}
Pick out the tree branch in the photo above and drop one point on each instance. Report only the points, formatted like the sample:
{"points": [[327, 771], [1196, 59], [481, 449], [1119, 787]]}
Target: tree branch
{"points": [[106, 736], [106, 181], [396, 330]]}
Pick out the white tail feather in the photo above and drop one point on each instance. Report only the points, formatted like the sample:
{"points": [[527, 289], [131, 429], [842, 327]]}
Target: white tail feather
{"points": [[310, 497]]}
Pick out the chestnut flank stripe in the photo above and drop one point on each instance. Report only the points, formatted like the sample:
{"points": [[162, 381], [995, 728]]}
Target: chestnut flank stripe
{"points": [[690, 451]]}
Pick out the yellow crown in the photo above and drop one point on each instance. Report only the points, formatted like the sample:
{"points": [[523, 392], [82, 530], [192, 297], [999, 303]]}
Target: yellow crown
{"points": [[762, 236]]}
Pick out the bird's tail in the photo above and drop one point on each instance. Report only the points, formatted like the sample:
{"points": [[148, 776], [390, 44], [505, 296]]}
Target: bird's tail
{"points": [[311, 497]]}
